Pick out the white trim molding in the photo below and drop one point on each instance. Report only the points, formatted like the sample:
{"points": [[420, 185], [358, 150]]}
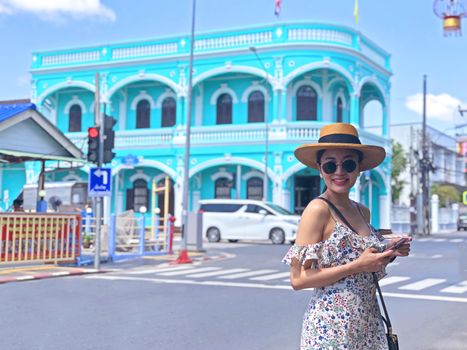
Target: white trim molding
{"points": [[224, 89], [221, 174], [75, 100], [140, 175], [143, 95], [253, 88], [138, 77], [162, 97], [252, 173], [64, 85]]}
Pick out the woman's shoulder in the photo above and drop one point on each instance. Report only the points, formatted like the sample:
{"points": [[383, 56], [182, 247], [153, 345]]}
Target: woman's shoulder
{"points": [[316, 212]]}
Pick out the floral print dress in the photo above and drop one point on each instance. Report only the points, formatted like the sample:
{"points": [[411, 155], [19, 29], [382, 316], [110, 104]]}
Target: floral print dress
{"points": [[344, 315]]}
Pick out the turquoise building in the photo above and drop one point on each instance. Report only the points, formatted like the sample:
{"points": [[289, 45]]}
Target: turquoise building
{"points": [[273, 83]]}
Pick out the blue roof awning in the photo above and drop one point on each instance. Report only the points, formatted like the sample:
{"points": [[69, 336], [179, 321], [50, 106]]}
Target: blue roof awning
{"points": [[10, 110], [25, 134]]}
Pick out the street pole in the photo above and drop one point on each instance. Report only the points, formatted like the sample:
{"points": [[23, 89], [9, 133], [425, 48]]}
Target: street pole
{"points": [[425, 169], [266, 139], [183, 258], [98, 122]]}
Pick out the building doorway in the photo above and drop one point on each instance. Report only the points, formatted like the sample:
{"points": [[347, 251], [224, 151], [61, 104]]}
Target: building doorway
{"points": [[306, 189]]}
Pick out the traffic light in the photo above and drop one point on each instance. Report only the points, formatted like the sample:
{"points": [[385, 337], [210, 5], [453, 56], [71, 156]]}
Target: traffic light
{"points": [[93, 144], [109, 138]]}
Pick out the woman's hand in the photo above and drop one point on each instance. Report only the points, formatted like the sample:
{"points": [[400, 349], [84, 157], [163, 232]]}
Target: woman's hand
{"points": [[372, 261], [404, 249]]}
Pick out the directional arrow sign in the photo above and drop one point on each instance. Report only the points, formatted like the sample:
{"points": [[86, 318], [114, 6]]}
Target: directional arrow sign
{"points": [[100, 182]]}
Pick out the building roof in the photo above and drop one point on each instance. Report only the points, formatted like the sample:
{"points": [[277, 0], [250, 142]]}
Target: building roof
{"points": [[25, 134], [10, 110]]}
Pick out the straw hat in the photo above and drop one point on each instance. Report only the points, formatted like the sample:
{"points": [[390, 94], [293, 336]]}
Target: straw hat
{"points": [[340, 135]]}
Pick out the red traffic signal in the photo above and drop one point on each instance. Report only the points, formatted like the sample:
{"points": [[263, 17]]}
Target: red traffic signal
{"points": [[93, 132]]}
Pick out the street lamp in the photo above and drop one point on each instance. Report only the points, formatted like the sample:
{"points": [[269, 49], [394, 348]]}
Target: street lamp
{"points": [[266, 120]]}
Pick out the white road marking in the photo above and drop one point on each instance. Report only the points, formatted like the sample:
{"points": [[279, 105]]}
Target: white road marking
{"points": [[456, 289], [216, 273], [167, 269], [423, 240], [188, 271], [247, 274], [60, 273], [439, 240], [24, 278], [456, 240], [392, 279], [271, 277], [437, 256], [426, 283], [265, 286]]}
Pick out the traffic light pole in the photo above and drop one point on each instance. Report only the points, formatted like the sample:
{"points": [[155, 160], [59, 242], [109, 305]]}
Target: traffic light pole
{"points": [[99, 122]]}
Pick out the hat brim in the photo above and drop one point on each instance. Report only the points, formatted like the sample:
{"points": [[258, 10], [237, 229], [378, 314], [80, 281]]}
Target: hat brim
{"points": [[372, 155]]}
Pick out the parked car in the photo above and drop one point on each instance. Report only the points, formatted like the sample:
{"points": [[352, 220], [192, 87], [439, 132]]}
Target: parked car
{"points": [[235, 219], [462, 222]]}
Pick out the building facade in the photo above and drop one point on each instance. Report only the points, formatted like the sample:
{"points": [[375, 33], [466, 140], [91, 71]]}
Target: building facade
{"points": [[448, 164], [275, 84]]}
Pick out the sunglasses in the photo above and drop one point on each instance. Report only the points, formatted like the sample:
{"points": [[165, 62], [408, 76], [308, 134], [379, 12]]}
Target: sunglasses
{"points": [[348, 165]]}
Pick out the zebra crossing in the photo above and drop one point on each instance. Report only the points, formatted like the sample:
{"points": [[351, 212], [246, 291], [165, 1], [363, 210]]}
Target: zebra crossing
{"points": [[440, 240], [277, 277]]}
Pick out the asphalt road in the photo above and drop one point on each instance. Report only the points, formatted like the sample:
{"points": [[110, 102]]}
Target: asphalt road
{"points": [[240, 303]]}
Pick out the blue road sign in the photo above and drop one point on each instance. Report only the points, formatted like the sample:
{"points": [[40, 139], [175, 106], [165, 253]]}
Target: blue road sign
{"points": [[100, 182]]}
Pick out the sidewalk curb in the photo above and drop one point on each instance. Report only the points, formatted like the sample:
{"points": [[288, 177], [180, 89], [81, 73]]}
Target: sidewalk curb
{"points": [[39, 276]]}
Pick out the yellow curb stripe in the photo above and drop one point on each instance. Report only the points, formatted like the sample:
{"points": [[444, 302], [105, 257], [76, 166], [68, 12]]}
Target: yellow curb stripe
{"points": [[26, 268]]}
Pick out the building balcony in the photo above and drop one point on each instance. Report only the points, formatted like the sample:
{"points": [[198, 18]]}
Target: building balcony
{"points": [[298, 33], [247, 134]]}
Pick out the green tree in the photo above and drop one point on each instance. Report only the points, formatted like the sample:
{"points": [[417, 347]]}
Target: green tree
{"points": [[447, 194], [398, 164]]}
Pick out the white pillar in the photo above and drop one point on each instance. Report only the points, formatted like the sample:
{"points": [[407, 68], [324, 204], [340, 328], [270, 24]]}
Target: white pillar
{"points": [[434, 213], [286, 200], [238, 185], [178, 194], [384, 211]]}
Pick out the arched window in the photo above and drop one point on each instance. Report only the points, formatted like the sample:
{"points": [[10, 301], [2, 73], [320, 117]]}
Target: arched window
{"points": [[340, 107], [223, 188], [138, 196], [224, 109], [256, 107], [74, 120], [307, 101], [168, 112], [255, 188], [143, 114]]}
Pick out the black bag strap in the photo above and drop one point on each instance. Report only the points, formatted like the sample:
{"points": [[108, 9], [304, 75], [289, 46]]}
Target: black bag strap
{"points": [[386, 320], [337, 211]]}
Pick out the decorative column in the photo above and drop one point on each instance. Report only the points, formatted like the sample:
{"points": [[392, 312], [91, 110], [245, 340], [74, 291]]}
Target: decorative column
{"points": [[384, 211], [276, 93], [434, 213], [283, 118], [277, 179], [180, 109], [386, 122], [355, 109]]}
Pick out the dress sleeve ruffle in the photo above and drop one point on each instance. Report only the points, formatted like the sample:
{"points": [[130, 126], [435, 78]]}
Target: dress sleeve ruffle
{"points": [[303, 254]]}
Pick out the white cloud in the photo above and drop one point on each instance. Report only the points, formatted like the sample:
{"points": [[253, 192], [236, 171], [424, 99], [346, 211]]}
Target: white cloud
{"points": [[443, 107], [58, 8]]}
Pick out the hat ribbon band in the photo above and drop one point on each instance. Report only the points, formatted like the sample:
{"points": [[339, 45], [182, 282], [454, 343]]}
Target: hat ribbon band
{"points": [[339, 138]]}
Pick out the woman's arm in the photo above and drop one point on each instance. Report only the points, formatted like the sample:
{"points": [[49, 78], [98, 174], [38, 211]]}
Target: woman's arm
{"points": [[313, 223]]}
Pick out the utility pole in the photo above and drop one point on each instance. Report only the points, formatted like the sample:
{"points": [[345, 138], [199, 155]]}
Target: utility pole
{"points": [[183, 258], [413, 193], [425, 169], [266, 120], [98, 122]]}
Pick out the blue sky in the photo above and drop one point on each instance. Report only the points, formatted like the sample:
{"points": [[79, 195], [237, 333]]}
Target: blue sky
{"points": [[408, 29]]}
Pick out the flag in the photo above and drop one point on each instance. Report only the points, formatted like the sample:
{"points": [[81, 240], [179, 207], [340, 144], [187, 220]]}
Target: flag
{"points": [[355, 11], [277, 10]]}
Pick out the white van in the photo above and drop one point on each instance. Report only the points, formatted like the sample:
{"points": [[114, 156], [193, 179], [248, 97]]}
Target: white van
{"points": [[235, 219]]}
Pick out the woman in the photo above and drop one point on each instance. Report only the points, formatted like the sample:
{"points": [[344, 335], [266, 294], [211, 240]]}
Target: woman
{"points": [[332, 258]]}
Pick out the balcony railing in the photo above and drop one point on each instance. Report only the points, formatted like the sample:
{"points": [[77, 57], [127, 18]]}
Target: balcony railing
{"points": [[266, 36], [294, 132]]}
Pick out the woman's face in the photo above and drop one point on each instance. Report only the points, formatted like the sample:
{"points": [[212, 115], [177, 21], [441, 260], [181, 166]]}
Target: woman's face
{"points": [[339, 177]]}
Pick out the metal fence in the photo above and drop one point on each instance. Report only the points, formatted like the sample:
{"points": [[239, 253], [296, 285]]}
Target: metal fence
{"points": [[29, 237], [128, 235]]}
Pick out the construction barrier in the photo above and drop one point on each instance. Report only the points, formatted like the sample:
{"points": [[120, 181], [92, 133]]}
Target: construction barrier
{"points": [[34, 237]]}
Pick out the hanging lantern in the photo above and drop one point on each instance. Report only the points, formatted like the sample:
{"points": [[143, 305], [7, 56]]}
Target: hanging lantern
{"points": [[451, 12]]}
